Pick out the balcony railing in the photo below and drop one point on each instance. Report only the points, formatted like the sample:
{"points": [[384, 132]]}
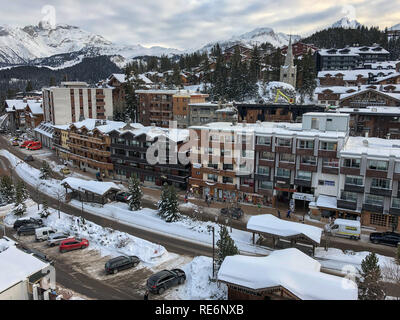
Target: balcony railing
{"points": [[380, 191], [354, 188]]}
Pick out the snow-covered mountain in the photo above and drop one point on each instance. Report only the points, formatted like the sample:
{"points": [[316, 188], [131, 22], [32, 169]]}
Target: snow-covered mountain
{"points": [[257, 36], [22, 45], [395, 27], [346, 23]]}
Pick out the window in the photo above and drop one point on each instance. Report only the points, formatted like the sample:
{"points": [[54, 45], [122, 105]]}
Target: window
{"points": [[378, 165], [380, 183], [268, 185], [226, 152], [247, 182], [304, 144], [327, 183], [304, 175], [373, 200], [265, 155], [284, 173], [354, 180], [263, 170], [396, 203], [283, 142], [228, 167], [264, 141], [330, 162], [213, 165], [378, 220], [352, 163], [229, 138], [328, 146], [227, 179], [212, 177], [315, 123], [309, 160], [349, 196], [286, 157]]}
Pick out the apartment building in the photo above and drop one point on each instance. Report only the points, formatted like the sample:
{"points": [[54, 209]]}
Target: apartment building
{"points": [[76, 101], [88, 145], [268, 161], [33, 114], [159, 107], [129, 147], [203, 113], [369, 181], [350, 57]]}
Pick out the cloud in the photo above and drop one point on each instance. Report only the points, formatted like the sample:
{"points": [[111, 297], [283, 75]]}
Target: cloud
{"points": [[192, 23]]}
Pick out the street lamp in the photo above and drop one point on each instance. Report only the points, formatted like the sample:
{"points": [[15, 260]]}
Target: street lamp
{"points": [[212, 228]]}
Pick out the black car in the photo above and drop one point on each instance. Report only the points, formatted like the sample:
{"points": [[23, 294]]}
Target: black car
{"points": [[21, 222], [28, 229], [234, 213], [161, 281], [122, 197], [389, 238], [28, 159], [121, 263]]}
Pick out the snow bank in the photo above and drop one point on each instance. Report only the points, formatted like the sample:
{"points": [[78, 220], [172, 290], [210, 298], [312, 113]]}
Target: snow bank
{"points": [[198, 285]]}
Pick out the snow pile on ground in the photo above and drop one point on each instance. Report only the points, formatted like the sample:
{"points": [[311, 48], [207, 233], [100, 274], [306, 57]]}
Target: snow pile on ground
{"points": [[198, 285], [347, 260], [188, 205], [186, 228], [3, 245], [106, 240], [31, 176]]}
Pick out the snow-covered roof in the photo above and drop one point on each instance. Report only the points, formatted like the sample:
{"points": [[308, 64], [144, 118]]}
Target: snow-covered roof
{"points": [[35, 107], [290, 269], [104, 126], [268, 223], [17, 266], [395, 96], [371, 110], [324, 201], [390, 76], [372, 147], [351, 75], [353, 51], [97, 187]]}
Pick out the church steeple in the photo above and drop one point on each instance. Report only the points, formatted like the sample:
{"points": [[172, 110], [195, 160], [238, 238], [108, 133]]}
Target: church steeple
{"points": [[289, 70], [289, 55]]}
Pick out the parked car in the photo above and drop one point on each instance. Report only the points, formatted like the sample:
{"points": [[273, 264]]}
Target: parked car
{"points": [[73, 244], [234, 213], [122, 197], [121, 263], [23, 221], [29, 159], [42, 234], [34, 146], [65, 170], [28, 229], [56, 238], [389, 238], [26, 143], [161, 281]]}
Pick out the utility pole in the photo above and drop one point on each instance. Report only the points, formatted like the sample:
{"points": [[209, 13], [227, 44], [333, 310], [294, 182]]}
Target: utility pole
{"points": [[212, 228]]}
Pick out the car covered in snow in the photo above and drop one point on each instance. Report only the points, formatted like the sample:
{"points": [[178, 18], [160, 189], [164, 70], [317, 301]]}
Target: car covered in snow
{"points": [[165, 279], [73, 244], [65, 170], [56, 238], [234, 212], [20, 222], [121, 263], [29, 159]]}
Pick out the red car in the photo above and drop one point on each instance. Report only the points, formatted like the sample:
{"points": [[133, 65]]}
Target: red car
{"points": [[73, 244], [26, 143], [34, 146]]}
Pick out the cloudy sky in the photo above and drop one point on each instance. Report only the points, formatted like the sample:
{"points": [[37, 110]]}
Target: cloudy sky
{"points": [[184, 24]]}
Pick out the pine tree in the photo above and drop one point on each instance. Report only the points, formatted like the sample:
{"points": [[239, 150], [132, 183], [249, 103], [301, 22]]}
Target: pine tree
{"points": [[45, 171], [7, 189], [29, 87], [168, 205], [21, 189], [19, 206], [225, 246], [135, 193], [45, 210], [370, 283]]}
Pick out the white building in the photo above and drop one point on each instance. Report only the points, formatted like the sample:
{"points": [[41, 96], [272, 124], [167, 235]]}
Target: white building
{"points": [[75, 101]]}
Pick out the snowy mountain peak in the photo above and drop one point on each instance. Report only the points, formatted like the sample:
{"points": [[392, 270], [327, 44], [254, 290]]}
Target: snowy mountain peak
{"points": [[395, 27], [346, 23]]}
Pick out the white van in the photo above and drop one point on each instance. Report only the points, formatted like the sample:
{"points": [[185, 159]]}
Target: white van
{"points": [[42, 234], [345, 228]]}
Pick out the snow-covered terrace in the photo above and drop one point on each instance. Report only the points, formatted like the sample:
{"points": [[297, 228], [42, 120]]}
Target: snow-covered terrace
{"points": [[290, 269], [373, 148], [96, 187]]}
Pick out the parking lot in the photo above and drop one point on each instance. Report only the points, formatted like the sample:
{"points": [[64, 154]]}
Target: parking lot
{"points": [[91, 263]]}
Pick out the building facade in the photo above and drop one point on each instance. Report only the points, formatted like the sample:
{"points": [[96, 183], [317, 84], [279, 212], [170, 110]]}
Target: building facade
{"points": [[75, 101]]}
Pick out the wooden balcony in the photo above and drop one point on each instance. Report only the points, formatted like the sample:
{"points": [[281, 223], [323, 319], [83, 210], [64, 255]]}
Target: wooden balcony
{"points": [[267, 163], [287, 165], [330, 170], [301, 182], [354, 188], [262, 147], [380, 192], [346, 204], [87, 138], [376, 173], [94, 163], [349, 170], [327, 153], [373, 208], [305, 152], [99, 152], [308, 167], [247, 189], [281, 149]]}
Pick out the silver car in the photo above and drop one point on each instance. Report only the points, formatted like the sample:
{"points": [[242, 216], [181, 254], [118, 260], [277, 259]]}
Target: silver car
{"points": [[56, 238]]}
